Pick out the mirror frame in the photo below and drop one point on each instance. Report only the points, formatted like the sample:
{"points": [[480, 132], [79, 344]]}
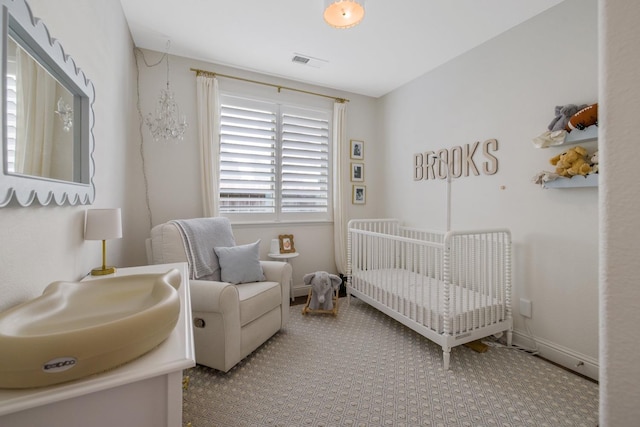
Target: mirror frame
{"points": [[26, 189]]}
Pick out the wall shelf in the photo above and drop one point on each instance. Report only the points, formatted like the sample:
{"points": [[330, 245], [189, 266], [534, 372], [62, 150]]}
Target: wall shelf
{"points": [[577, 137], [590, 180], [580, 136]]}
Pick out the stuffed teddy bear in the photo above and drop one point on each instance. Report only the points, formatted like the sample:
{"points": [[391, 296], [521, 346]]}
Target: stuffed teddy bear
{"points": [[572, 162], [594, 163], [563, 115], [323, 286], [584, 118]]}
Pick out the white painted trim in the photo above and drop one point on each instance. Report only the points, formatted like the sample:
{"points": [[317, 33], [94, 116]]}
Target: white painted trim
{"points": [[300, 290], [558, 354]]}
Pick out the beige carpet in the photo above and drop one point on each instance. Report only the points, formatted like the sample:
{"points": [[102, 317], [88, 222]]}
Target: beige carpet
{"points": [[362, 368]]}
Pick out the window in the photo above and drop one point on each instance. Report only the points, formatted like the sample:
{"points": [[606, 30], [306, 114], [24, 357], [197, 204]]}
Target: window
{"points": [[274, 160], [11, 112]]}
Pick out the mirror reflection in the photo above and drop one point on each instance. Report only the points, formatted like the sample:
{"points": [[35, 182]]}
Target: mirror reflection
{"points": [[47, 116], [40, 136]]}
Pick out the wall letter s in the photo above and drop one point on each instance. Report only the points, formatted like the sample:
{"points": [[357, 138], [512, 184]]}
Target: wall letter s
{"points": [[490, 167]]}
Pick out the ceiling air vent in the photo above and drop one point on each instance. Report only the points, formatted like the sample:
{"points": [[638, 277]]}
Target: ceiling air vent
{"points": [[300, 59], [308, 60]]}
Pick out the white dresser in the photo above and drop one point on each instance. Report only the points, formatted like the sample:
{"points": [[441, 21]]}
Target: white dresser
{"points": [[144, 392]]}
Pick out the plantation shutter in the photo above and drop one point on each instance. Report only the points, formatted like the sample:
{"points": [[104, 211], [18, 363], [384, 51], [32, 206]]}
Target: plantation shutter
{"points": [[11, 112], [247, 156], [274, 159], [305, 160]]}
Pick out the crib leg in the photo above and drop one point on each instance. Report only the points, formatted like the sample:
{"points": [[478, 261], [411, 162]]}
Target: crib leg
{"points": [[509, 337], [446, 353]]}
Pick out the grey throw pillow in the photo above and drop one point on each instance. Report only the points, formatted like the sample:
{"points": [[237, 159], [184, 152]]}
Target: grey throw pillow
{"points": [[240, 264]]}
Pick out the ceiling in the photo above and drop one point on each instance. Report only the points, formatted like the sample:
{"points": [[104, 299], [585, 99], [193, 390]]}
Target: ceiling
{"points": [[397, 41]]}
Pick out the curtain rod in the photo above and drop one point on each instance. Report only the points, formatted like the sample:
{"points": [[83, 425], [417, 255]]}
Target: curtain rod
{"points": [[279, 87]]}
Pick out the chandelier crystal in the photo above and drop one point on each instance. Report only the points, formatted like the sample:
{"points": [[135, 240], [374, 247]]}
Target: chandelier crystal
{"points": [[167, 123], [343, 13], [65, 112]]}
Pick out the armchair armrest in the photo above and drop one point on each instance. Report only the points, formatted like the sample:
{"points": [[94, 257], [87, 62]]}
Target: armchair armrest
{"points": [[218, 337], [277, 271], [215, 297]]}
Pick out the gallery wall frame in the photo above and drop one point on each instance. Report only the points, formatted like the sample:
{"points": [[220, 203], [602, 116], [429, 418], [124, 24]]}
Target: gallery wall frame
{"points": [[356, 149], [357, 172], [359, 194]]}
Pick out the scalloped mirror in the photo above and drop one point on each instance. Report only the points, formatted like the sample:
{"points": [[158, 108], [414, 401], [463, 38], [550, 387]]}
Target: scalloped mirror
{"points": [[47, 116]]}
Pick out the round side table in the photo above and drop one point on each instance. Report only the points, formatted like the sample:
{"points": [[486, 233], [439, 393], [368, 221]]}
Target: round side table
{"points": [[286, 258]]}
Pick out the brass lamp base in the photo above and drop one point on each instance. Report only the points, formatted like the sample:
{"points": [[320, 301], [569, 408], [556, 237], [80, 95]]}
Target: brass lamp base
{"points": [[103, 271]]}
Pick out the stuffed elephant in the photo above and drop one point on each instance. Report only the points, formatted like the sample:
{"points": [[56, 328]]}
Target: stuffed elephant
{"points": [[323, 285]]}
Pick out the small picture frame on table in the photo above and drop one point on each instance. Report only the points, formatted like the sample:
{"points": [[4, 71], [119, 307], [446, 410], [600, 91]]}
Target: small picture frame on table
{"points": [[286, 244], [356, 151], [357, 172], [359, 195]]}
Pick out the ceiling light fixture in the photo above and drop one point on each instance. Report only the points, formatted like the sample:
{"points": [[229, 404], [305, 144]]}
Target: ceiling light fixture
{"points": [[343, 13]]}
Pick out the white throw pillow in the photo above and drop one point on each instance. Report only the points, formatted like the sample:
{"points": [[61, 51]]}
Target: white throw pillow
{"points": [[240, 264]]}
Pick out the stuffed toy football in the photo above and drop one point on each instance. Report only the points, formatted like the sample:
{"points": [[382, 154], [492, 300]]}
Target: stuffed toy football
{"points": [[572, 162], [563, 115], [584, 118]]}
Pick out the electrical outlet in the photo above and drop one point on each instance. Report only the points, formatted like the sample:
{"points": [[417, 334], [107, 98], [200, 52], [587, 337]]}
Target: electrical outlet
{"points": [[525, 307]]}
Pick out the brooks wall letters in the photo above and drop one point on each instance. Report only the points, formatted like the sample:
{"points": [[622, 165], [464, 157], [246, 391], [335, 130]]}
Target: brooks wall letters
{"points": [[457, 161]]}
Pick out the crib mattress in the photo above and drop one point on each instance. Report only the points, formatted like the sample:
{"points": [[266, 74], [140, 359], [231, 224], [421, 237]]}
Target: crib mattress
{"points": [[421, 298]]}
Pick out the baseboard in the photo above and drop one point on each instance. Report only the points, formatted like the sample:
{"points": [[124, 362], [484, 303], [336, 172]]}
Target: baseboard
{"points": [[300, 290], [565, 357]]}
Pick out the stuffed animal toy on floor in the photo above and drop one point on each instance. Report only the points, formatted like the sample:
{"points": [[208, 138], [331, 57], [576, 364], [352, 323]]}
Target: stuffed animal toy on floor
{"points": [[323, 286], [572, 162]]}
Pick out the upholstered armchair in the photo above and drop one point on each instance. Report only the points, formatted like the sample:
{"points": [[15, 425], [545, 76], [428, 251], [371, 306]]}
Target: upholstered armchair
{"points": [[233, 313]]}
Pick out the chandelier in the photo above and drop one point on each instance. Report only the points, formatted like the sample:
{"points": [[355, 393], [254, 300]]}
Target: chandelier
{"points": [[65, 112], [167, 122], [343, 13]]}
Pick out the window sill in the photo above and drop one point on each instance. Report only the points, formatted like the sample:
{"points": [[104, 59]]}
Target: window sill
{"points": [[287, 223]]}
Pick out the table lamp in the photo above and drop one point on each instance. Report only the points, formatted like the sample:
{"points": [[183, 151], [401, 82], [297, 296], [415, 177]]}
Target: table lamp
{"points": [[103, 224]]}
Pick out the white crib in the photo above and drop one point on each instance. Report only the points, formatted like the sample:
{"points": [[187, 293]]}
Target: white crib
{"points": [[452, 287]]}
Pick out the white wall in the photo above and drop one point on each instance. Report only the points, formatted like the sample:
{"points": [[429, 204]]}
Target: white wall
{"points": [[44, 244], [173, 169], [516, 90], [619, 207], [507, 89]]}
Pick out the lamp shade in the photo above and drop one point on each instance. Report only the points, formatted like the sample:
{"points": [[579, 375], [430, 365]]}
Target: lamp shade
{"points": [[103, 224], [343, 13]]}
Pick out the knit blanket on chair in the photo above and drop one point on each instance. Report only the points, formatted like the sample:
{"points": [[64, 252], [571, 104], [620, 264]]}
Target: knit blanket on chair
{"points": [[200, 236]]}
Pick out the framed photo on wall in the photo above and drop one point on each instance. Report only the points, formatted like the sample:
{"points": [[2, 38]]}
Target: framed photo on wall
{"points": [[357, 172], [359, 195], [286, 244], [357, 149]]}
